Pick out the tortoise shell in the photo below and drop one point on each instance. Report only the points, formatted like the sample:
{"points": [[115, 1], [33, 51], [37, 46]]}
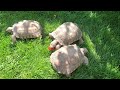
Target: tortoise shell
{"points": [[27, 29], [68, 58], [67, 33]]}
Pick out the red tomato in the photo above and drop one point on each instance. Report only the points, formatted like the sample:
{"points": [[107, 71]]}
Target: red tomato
{"points": [[51, 49]]}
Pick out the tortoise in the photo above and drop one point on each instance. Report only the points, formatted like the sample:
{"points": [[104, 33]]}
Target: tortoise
{"points": [[65, 34], [25, 29], [68, 58]]}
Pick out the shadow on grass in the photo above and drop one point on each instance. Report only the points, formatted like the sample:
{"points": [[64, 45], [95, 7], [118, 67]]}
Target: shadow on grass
{"points": [[102, 41]]}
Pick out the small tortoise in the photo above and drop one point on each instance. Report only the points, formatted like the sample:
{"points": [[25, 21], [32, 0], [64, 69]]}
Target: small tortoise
{"points": [[68, 58], [25, 29], [65, 34]]}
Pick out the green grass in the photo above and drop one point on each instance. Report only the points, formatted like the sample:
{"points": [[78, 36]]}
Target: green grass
{"points": [[30, 58]]}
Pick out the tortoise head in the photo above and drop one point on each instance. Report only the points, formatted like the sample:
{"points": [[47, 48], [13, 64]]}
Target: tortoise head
{"points": [[53, 45], [9, 30]]}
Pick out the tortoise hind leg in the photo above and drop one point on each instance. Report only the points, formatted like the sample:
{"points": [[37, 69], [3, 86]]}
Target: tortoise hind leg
{"points": [[58, 46], [13, 39], [40, 36], [81, 41], [68, 75], [84, 51], [85, 60], [50, 36]]}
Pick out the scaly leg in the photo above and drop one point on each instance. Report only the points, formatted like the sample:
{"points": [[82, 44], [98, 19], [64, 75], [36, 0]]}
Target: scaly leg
{"points": [[81, 41], [13, 39], [85, 62], [83, 50]]}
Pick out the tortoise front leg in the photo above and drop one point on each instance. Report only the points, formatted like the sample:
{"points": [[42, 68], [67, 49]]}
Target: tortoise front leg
{"points": [[58, 46], [13, 39]]}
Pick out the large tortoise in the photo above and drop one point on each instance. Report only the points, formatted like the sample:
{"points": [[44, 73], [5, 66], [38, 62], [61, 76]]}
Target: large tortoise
{"points": [[68, 58], [25, 29], [65, 34]]}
